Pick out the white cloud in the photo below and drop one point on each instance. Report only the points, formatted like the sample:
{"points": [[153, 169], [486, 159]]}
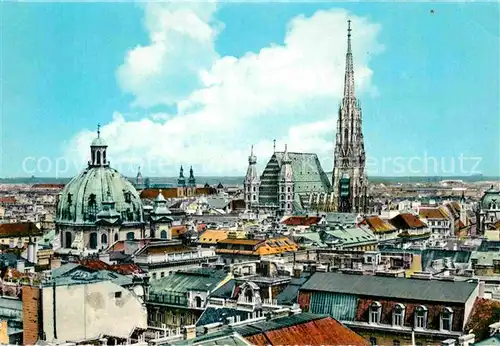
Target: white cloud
{"points": [[289, 92]]}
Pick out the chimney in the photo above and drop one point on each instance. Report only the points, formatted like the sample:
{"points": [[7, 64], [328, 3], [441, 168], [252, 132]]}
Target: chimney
{"points": [[466, 340], [105, 258], [481, 289], [55, 262], [20, 266], [189, 332], [297, 272], [20, 243], [31, 252], [31, 298]]}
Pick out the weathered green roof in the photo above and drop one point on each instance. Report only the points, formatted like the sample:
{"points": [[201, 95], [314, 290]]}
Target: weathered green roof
{"points": [[200, 279], [308, 177], [99, 142], [342, 236], [491, 341], [75, 205], [489, 197], [485, 258], [390, 287]]}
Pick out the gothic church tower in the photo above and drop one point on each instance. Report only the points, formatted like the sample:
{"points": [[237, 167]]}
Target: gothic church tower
{"points": [[252, 182], [349, 179]]}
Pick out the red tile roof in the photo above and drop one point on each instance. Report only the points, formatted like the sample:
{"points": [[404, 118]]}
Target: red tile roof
{"points": [[377, 225], [47, 186], [322, 331], [432, 213], [8, 200], [124, 268], [301, 220], [407, 221], [95, 264], [21, 229], [127, 269]]}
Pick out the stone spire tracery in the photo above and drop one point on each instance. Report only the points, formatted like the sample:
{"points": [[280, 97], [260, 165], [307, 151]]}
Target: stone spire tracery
{"points": [[349, 180]]}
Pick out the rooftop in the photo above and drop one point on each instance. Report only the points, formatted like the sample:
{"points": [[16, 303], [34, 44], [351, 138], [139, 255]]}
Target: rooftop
{"points": [[390, 287]]}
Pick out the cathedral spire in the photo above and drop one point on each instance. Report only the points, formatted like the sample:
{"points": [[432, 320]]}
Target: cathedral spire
{"points": [[349, 67]]}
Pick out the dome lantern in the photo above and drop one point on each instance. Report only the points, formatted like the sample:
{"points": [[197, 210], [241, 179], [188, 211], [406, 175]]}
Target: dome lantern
{"points": [[98, 151]]}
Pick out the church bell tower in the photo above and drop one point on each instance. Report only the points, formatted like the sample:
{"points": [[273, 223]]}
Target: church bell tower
{"points": [[349, 179]]}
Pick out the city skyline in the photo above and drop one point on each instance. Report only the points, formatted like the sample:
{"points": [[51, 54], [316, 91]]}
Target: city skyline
{"points": [[198, 84]]}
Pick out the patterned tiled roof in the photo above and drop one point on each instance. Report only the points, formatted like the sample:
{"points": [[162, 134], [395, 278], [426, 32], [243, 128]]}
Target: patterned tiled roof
{"points": [[308, 176]]}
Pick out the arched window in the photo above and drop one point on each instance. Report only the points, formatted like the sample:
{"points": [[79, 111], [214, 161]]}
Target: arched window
{"points": [[68, 240], [104, 239], [163, 234], [98, 157], [398, 315], [446, 319], [421, 317], [93, 240], [130, 236], [198, 302], [375, 312], [116, 236]]}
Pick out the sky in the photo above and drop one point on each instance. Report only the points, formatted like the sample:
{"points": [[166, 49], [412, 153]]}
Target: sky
{"points": [[198, 83]]}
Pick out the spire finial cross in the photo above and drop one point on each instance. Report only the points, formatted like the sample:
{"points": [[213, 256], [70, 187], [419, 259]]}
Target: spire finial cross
{"points": [[98, 130], [274, 145]]}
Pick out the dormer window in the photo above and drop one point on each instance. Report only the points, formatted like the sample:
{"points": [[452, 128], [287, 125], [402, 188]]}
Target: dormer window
{"points": [[128, 197], [375, 312], [421, 317], [446, 319], [398, 315], [70, 200]]}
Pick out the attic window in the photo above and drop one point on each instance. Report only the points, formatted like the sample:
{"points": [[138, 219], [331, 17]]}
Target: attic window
{"points": [[118, 295]]}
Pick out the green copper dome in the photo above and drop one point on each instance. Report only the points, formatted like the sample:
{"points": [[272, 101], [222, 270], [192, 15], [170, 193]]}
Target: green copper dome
{"points": [[490, 197], [99, 194], [82, 198], [99, 142]]}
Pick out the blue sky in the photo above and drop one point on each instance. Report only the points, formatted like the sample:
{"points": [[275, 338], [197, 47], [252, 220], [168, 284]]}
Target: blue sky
{"points": [[428, 85]]}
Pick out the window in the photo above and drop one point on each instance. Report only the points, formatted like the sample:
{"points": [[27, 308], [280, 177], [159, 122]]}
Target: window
{"points": [[104, 239], [93, 240], [163, 234], [118, 295], [375, 310], [130, 236], [398, 315], [446, 319], [198, 302], [254, 197], [116, 236], [373, 341], [421, 317], [154, 276]]}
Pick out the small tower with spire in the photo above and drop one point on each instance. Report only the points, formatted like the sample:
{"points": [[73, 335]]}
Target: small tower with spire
{"points": [[191, 180], [463, 209], [98, 151], [138, 179], [285, 185], [181, 181], [252, 182]]}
